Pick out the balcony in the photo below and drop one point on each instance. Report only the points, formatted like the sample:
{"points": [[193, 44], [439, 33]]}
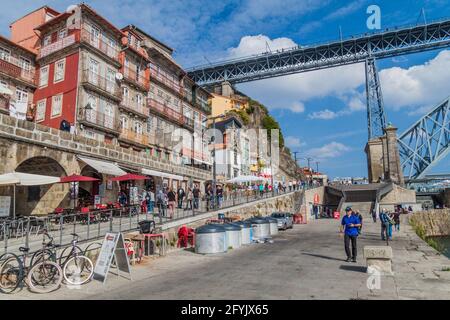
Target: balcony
{"points": [[99, 120], [101, 84], [159, 76], [136, 78], [165, 111], [188, 122], [130, 105], [58, 45], [12, 67], [134, 137], [99, 44]]}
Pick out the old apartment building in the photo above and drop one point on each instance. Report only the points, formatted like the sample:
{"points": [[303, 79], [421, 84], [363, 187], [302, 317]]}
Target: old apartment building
{"points": [[77, 72]]}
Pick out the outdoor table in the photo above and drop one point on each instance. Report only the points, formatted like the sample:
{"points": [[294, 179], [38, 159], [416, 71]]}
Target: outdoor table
{"points": [[150, 236]]}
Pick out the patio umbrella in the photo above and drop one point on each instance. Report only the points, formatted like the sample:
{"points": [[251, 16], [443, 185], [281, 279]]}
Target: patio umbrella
{"points": [[130, 177], [24, 179], [76, 178]]}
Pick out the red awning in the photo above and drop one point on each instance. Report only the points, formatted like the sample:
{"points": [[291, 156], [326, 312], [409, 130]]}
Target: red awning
{"points": [[77, 178], [129, 177]]}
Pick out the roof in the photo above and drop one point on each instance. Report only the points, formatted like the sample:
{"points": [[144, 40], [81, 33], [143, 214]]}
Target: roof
{"points": [[87, 8], [53, 11], [53, 21], [149, 36], [12, 43]]}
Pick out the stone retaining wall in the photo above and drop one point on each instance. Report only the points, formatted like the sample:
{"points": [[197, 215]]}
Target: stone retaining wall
{"points": [[433, 222]]}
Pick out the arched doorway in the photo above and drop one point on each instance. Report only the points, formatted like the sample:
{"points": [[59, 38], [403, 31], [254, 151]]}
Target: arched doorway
{"points": [[41, 200]]}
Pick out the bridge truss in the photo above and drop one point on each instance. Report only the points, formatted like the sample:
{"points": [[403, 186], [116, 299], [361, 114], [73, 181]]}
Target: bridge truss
{"points": [[389, 43], [422, 146], [426, 142]]}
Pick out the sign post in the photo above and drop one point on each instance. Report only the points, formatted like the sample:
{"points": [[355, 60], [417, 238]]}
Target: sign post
{"points": [[113, 246]]}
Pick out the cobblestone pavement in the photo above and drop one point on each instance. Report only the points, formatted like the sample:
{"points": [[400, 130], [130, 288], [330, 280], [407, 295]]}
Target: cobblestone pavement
{"points": [[306, 262]]}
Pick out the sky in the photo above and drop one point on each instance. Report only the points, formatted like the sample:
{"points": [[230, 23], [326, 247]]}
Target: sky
{"points": [[322, 113]]}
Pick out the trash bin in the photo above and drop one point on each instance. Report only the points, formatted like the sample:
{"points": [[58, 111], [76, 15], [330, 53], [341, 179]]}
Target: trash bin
{"points": [[147, 226]]}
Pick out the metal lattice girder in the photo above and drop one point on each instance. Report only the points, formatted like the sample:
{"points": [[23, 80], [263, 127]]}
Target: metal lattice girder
{"points": [[426, 142], [390, 43], [375, 108]]}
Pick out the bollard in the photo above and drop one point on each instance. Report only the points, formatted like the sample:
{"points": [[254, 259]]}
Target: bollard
{"points": [[379, 258]]}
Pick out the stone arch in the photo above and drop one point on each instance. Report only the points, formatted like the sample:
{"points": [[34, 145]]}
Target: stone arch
{"points": [[41, 200]]}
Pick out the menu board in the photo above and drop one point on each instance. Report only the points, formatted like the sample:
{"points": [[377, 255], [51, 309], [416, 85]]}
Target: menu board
{"points": [[5, 206]]}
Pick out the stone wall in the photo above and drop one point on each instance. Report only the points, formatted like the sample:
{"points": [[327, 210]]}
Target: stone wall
{"points": [[398, 195], [32, 139], [432, 222]]}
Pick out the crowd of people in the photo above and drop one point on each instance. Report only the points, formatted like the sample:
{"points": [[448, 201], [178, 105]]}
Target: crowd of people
{"points": [[167, 199]]}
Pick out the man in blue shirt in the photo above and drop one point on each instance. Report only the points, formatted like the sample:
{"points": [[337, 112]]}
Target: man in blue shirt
{"points": [[350, 225]]}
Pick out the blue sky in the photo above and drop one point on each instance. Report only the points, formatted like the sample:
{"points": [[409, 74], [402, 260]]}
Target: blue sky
{"points": [[322, 113]]}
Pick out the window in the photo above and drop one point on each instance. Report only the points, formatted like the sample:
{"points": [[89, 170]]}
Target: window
{"points": [[138, 127], [25, 64], [149, 124], [109, 116], [4, 84], [125, 94], [62, 34], [60, 67], [47, 40], [40, 111], [124, 122], [56, 105], [110, 75], [4, 54], [21, 95], [43, 79], [139, 99]]}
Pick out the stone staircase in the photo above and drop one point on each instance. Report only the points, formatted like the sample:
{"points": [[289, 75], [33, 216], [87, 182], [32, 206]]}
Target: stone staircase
{"points": [[365, 208]]}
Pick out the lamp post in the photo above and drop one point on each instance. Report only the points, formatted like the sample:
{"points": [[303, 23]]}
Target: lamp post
{"points": [[213, 139]]}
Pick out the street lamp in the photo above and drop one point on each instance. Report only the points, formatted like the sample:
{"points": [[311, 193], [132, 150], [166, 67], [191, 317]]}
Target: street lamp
{"points": [[213, 139]]}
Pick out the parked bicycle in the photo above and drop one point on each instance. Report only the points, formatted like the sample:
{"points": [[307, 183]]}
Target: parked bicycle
{"points": [[77, 267], [42, 277]]}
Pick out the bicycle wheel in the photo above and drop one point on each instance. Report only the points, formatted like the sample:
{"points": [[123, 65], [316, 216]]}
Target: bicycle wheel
{"points": [[92, 251], [42, 255], [45, 277], [11, 272], [69, 252], [78, 270]]}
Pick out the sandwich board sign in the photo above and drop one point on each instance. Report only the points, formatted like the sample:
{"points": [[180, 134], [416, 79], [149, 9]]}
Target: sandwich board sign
{"points": [[113, 246]]}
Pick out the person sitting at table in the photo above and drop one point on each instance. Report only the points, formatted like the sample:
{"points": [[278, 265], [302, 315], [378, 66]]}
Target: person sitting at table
{"points": [[122, 198]]}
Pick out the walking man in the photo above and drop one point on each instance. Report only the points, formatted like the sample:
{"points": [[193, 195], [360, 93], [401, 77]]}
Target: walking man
{"points": [[385, 224], [349, 225], [196, 193]]}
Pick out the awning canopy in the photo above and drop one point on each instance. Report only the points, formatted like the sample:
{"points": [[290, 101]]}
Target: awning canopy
{"points": [[26, 179], [162, 174], [103, 166]]}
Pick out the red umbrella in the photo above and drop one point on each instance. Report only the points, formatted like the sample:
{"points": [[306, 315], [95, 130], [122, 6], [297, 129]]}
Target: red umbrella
{"points": [[129, 177], [77, 178]]}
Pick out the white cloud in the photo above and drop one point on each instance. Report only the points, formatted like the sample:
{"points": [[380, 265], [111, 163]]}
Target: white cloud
{"points": [[323, 115], [417, 86], [293, 142], [331, 150], [297, 107], [251, 45]]}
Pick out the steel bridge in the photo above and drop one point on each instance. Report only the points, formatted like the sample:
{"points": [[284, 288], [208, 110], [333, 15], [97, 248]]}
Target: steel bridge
{"points": [[356, 49], [425, 142]]}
